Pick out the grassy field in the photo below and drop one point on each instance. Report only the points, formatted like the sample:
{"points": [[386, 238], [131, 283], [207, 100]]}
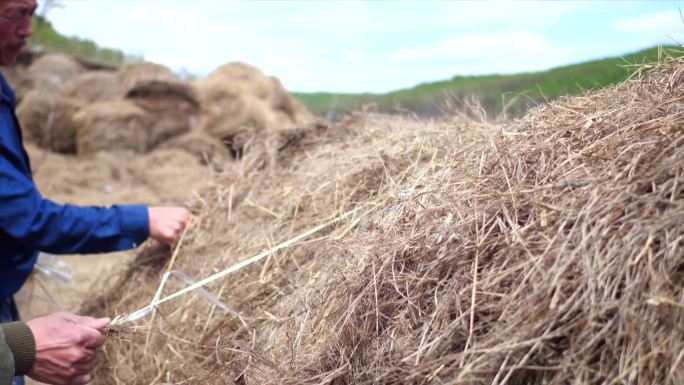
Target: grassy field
{"points": [[517, 92]]}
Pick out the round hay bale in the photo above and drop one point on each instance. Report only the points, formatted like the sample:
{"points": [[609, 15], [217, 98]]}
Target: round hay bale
{"points": [[47, 120], [280, 99], [133, 73], [237, 98], [250, 79], [202, 146], [53, 70], [223, 109], [261, 115], [287, 108], [172, 106], [111, 126], [95, 86]]}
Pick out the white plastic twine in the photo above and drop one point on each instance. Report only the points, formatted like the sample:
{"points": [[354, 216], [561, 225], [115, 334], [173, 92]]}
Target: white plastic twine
{"points": [[140, 313]]}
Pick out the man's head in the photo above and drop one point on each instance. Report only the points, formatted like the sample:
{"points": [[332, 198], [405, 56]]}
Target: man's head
{"points": [[15, 27]]}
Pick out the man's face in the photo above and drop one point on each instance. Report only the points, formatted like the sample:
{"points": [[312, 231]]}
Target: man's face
{"points": [[15, 27]]}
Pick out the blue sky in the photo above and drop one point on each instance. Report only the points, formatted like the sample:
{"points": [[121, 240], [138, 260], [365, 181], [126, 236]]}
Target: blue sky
{"points": [[371, 46]]}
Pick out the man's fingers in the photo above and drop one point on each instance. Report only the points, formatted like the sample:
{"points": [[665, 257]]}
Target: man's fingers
{"points": [[86, 360], [95, 323], [82, 380], [167, 223], [91, 338], [82, 369]]}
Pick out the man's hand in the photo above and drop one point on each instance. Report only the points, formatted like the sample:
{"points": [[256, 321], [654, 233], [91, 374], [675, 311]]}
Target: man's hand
{"points": [[65, 347], [167, 223]]}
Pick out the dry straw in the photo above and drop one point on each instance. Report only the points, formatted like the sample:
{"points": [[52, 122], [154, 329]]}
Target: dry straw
{"points": [[544, 251]]}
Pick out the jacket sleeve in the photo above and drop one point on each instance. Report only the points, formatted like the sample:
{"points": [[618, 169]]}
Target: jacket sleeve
{"points": [[22, 346], [6, 362], [43, 225]]}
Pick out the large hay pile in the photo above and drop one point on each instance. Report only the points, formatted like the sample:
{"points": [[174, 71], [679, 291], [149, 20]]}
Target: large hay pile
{"points": [[548, 251]]}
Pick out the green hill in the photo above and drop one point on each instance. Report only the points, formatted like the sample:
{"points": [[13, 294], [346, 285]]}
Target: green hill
{"points": [[517, 92], [45, 38]]}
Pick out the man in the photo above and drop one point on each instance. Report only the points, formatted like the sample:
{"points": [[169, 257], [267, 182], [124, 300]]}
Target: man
{"points": [[29, 223]]}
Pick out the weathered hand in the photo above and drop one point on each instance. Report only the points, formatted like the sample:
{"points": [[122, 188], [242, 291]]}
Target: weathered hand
{"points": [[167, 223], [65, 347]]}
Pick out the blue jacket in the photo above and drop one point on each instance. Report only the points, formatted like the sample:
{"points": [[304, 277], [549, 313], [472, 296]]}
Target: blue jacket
{"points": [[30, 223]]}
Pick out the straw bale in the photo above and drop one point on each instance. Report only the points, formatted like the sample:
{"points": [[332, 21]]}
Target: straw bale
{"points": [[52, 70], [171, 105], [95, 86], [204, 147], [223, 108], [248, 78], [47, 119], [546, 251], [132, 73], [237, 98], [118, 126], [280, 99]]}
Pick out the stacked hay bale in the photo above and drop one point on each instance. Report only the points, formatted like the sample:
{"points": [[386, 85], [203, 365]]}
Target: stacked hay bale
{"points": [[131, 74], [238, 99], [548, 251], [45, 113], [115, 126], [51, 71], [72, 111], [171, 106], [47, 120], [95, 86]]}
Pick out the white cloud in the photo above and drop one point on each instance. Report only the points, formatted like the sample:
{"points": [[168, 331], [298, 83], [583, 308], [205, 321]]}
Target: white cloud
{"points": [[658, 22], [488, 49], [504, 14], [665, 27]]}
